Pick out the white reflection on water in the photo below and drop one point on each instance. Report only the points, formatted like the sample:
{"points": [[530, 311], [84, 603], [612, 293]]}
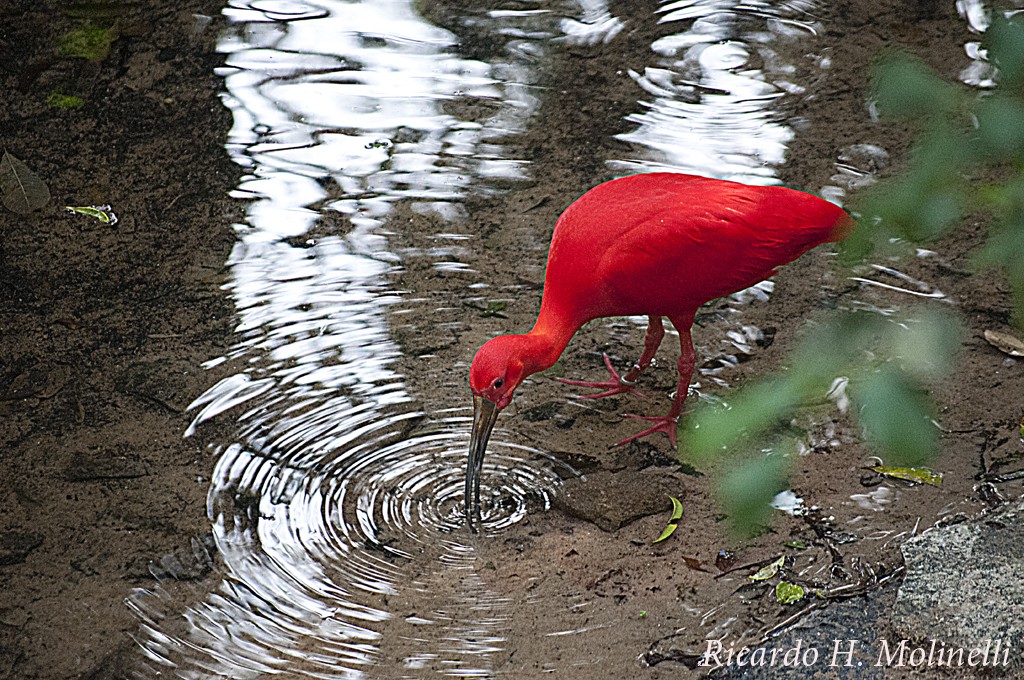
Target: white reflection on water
{"points": [[333, 482], [715, 89], [367, 95]]}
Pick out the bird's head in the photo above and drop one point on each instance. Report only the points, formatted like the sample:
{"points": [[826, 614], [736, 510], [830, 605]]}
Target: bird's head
{"points": [[496, 371]]}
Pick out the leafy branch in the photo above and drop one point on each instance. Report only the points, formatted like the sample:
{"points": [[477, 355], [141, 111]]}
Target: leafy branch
{"points": [[968, 158]]}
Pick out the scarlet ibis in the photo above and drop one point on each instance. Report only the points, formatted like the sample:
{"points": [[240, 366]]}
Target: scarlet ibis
{"points": [[656, 244]]}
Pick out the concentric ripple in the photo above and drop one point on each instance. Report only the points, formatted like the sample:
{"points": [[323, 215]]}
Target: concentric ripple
{"points": [[314, 548], [335, 499]]}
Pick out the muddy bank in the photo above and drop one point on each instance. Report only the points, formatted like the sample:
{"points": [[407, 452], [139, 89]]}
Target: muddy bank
{"points": [[103, 328]]}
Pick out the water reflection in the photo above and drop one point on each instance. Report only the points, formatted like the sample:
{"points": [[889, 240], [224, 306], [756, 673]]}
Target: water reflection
{"points": [[980, 72], [715, 90], [335, 481], [371, 97]]}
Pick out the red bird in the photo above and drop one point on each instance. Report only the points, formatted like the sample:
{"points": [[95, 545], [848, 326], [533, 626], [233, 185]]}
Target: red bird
{"points": [[658, 244]]}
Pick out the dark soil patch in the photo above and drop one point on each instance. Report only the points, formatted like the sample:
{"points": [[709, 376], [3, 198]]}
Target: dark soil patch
{"points": [[103, 328]]}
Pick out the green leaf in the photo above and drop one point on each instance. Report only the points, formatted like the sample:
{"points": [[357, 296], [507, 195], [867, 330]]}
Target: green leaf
{"points": [[748, 488], [103, 213], [23, 191], [788, 593], [1001, 124], [896, 416], [938, 211], [928, 199], [914, 475], [1005, 42], [858, 245], [927, 345], [905, 87], [823, 353], [712, 428], [769, 570], [673, 521], [1005, 244]]}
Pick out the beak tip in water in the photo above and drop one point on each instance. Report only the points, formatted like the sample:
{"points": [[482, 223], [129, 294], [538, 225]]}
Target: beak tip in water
{"points": [[485, 413]]}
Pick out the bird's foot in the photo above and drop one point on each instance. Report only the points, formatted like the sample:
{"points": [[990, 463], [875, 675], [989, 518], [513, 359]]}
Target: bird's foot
{"points": [[614, 385], [666, 424]]}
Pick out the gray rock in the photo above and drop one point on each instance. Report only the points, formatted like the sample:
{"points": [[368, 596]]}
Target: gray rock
{"points": [[964, 586], [613, 499], [845, 635]]}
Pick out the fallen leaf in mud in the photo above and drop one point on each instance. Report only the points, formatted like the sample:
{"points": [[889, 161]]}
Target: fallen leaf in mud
{"points": [[101, 212], [39, 382], [788, 593], [768, 571], [914, 475], [23, 191], [1005, 342], [673, 522]]}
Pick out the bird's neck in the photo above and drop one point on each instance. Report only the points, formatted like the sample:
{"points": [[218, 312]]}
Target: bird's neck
{"points": [[547, 340]]}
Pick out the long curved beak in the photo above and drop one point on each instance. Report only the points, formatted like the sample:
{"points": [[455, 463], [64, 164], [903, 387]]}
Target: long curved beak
{"points": [[485, 412]]}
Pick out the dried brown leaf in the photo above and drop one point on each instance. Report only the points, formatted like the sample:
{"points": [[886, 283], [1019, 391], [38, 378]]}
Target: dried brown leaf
{"points": [[22, 190]]}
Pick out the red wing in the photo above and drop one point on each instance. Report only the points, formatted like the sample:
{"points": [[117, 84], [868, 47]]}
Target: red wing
{"points": [[689, 253]]}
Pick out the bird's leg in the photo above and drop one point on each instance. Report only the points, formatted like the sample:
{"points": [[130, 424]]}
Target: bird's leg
{"points": [[687, 360], [652, 340], [617, 384]]}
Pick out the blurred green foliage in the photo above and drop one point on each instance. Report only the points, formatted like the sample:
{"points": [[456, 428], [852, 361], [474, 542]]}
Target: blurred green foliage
{"points": [[968, 158], [965, 139]]}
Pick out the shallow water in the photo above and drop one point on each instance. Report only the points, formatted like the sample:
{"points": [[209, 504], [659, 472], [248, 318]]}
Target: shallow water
{"points": [[370, 134]]}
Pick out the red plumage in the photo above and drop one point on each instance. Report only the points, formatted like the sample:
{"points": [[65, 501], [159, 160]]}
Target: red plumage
{"points": [[658, 244], [666, 243]]}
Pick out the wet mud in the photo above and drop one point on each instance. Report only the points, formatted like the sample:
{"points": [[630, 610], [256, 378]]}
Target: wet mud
{"points": [[104, 331]]}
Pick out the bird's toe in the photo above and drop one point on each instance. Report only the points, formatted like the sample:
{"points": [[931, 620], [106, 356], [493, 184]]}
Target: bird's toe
{"points": [[664, 424], [614, 385]]}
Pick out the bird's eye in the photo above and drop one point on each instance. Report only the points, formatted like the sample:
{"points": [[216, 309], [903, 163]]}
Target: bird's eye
{"points": [[498, 383]]}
